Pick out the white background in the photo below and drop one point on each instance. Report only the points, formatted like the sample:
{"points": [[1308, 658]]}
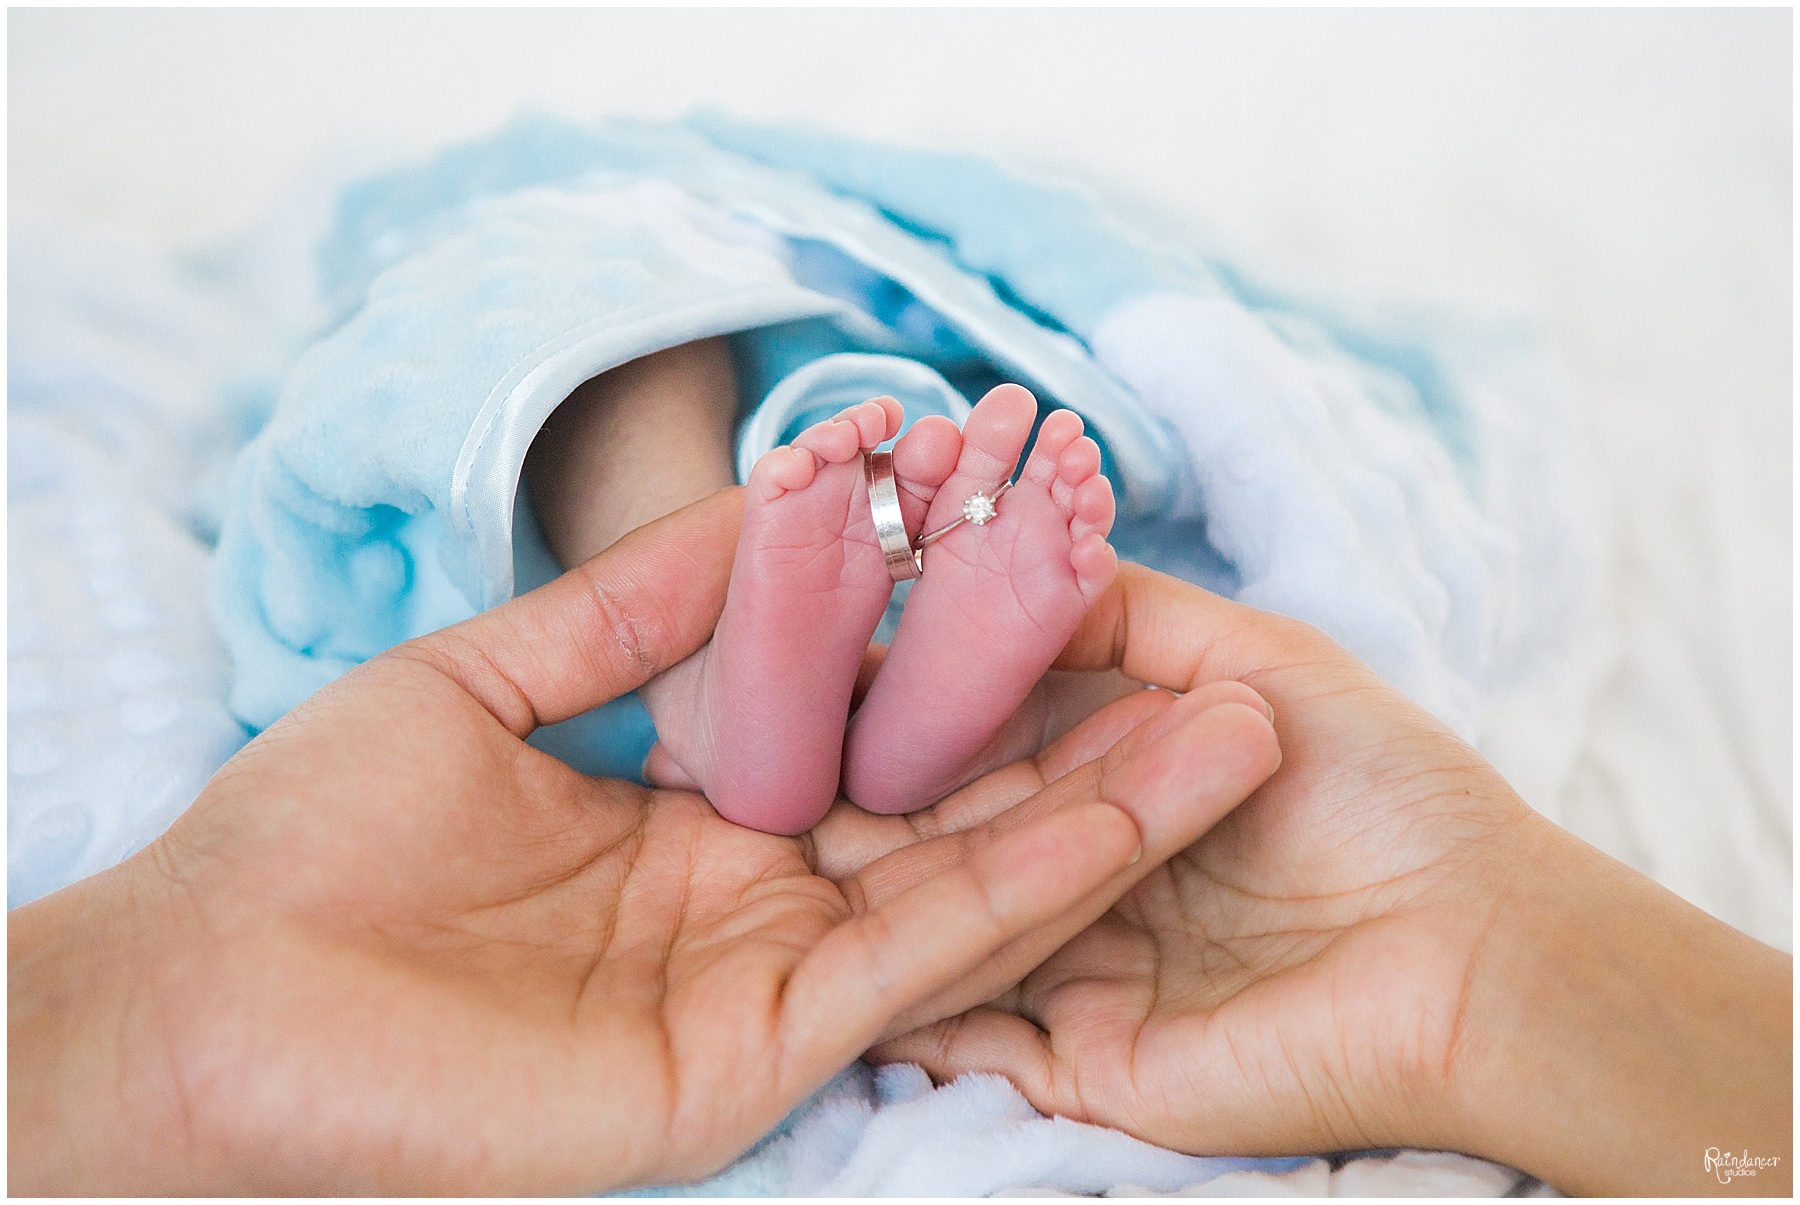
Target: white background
{"points": [[1624, 176]]}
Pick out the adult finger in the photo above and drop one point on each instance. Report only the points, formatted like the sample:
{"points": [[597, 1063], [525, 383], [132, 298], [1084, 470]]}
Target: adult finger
{"points": [[603, 628], [1170, 633], [1175, 775], [994, 1041], [849, 839], [847, 843], [850, 988]]}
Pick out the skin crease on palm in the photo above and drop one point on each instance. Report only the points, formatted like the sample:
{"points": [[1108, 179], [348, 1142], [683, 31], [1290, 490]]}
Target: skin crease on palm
{"points": [[393, 948]]}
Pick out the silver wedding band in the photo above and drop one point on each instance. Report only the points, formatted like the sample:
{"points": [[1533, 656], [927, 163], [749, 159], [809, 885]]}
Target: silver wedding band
{"points": [[903, 562]]}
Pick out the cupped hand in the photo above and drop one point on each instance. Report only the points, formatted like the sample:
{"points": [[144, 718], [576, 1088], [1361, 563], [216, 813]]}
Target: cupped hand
{"points": [[392, 947], [1293, 982], [1384, 947]]}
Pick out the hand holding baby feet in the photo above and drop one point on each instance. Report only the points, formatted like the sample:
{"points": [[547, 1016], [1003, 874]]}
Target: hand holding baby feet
{"points": [[756, 718], [1000, 595]]}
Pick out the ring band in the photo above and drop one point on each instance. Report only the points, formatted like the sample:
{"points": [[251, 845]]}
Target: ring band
{"points": [[903, 562]]}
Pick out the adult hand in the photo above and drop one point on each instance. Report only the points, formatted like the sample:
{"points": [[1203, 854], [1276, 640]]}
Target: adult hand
{"points": [[392, 947], [1385, 947]]}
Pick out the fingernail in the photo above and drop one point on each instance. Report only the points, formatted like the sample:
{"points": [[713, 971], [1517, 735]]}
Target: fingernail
{"points": [[1136, 856]]}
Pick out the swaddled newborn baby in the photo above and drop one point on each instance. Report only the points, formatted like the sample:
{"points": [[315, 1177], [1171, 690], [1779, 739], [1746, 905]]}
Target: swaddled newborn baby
{"points": [[759, 719]]}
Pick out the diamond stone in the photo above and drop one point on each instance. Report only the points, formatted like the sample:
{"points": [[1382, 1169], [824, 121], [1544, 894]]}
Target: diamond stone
{"points": [[978, 509]]}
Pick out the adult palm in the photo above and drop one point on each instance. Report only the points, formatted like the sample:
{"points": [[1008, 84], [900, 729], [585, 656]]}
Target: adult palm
{"points": [[393, 947], [1294, 981]]}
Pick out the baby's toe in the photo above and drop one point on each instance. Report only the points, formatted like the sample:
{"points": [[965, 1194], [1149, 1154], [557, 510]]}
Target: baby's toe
{"points": [[1077, 465], [995, 434], [834, 441], [924, 458], [875, 420], [1061, 429], [1091, 509], [895, 414], [780, 470], [1095, 563], [1079, 462]]}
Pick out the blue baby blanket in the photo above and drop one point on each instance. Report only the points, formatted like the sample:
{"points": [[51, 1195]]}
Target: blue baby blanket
{"points": [[1404, 483]]}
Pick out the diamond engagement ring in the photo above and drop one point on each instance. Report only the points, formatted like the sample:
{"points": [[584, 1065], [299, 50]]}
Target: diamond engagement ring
{"points": [[979, 509]]}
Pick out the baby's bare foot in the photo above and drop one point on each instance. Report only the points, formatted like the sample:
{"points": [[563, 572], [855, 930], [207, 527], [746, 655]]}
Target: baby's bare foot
{"points": [[995, 606], [756, 719]]}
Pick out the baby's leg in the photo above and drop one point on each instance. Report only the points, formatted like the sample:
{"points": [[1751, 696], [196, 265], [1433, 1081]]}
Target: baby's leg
{"points": [[997, 603], [756, 718], [632, 445]]}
